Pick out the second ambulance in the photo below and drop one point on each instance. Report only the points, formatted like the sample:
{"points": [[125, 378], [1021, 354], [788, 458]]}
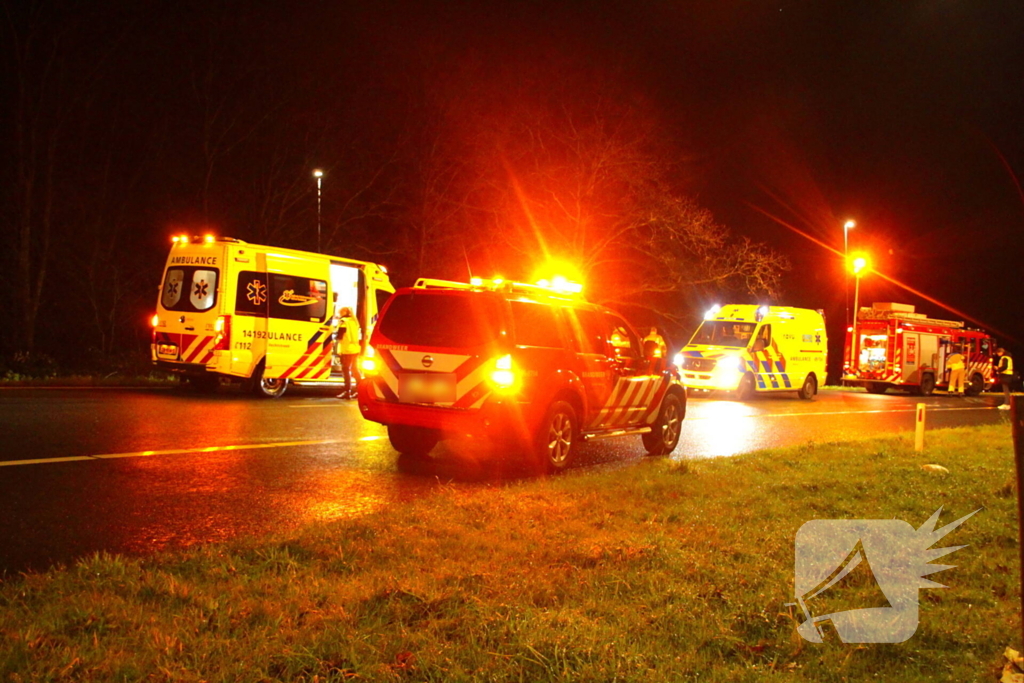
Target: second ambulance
{"points": [[752, 349]]}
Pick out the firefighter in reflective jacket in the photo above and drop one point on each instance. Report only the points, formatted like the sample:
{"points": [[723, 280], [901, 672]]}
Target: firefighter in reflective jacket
{"points": [[346, 346], [955, 364], [1004, 368]]}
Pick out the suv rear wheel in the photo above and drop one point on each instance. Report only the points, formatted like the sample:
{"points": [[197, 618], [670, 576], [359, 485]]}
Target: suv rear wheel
{"points": [[416, 442], [557, 436], [664, 434]]}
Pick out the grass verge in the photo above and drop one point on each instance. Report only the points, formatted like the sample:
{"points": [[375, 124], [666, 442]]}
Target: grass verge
{"points": [[666, 571]]}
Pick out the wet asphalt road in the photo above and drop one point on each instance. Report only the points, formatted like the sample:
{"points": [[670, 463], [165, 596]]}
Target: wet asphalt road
{"points": [[137, 470]]}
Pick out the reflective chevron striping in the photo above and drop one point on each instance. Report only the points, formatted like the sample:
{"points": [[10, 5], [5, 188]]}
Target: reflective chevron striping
{"points": [[199, 349]]}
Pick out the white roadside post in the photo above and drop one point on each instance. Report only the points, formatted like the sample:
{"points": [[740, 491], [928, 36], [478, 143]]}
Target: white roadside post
{"points": [[919, 431]]}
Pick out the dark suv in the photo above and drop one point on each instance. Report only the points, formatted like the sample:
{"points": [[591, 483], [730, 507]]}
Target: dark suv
{"points": [[524, 365]]}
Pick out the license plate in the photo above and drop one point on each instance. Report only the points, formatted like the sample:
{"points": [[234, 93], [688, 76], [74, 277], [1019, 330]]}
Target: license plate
{"points": [[426, 387], [167, 350]]}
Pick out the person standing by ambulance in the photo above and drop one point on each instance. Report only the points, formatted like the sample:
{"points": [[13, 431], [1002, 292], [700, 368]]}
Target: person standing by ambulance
{"points": [[347, 347], [1004, 370], [955, 365]]}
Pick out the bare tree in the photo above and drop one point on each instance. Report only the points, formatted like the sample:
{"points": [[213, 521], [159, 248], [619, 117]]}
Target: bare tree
{"points": [[579, 172], [53, 70]]}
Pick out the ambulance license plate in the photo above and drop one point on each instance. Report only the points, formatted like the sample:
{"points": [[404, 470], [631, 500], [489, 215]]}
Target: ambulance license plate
{"points": [[426, 387], [167, 350]]}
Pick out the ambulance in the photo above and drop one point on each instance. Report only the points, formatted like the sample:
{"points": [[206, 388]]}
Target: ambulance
{"points": [[757, 349], [258, 314], [894, 346]]}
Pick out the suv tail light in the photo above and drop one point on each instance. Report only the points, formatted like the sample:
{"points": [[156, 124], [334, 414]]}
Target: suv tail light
{"points": [[223, 329], [502, 376]]}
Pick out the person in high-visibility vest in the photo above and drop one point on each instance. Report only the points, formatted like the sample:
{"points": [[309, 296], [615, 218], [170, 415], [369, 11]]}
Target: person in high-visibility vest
{"points": [[346, 345], [656, 343], [955, 364], [1004, 368]]}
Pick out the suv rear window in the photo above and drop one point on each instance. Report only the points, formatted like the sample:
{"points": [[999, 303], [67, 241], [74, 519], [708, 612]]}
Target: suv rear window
{"points": [[536, 325], [449, 320]]}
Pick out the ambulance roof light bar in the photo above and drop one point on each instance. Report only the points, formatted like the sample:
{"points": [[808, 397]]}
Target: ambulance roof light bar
{"points": [[203, 239]]}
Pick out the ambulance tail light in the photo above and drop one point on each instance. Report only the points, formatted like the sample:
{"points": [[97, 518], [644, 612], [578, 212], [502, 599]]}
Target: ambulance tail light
{"points": [[503, 376], [223, 337], [369, 362], [155, 320]]}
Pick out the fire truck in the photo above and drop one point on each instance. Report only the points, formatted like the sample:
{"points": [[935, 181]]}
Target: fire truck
{"points": [[890, 345]]}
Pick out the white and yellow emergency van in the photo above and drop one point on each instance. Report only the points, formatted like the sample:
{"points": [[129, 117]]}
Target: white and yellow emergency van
{"points": [[753, 349], [256, 313]]}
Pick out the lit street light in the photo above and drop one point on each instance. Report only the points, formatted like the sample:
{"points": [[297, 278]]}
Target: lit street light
{"points": [[858, 264], [847, 227], [319, 175]]}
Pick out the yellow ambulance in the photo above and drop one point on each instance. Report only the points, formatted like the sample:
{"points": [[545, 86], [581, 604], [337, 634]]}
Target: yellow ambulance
{"points": [[753, 349], [259, 314]]}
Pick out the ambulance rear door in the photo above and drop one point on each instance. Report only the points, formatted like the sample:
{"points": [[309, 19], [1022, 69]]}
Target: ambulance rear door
{"points": [[299, 318], [188, 300]]}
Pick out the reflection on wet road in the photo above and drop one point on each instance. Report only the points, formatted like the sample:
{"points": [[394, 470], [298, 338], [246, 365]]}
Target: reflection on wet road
{"points": [[139, 471]]}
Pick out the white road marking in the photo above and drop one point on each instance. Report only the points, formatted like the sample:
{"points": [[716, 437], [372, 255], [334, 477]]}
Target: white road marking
{"points": [[286, 444], [841, 412], [172, 451]]}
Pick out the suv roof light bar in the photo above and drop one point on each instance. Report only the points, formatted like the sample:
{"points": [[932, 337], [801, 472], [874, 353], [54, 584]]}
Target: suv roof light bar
{"points": [[498, 285]]}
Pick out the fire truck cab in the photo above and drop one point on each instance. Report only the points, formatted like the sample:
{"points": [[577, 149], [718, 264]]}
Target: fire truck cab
{"points": [[258, 314], [890, 345]]}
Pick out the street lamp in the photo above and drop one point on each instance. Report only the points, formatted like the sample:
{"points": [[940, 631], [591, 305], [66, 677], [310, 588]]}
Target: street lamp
{"points": [[319, 175], [858, 264], [847, 227]]}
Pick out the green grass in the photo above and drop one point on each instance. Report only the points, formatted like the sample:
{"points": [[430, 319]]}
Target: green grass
{"points": [[156, 379], [664, 571]]}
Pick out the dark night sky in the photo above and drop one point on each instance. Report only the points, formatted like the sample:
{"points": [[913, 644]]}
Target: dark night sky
{"points": [[904, 116]]}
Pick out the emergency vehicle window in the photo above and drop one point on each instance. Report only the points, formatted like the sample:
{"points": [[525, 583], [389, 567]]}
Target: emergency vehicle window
{"points": [[723, 333], [764, 338], [985, 347], [449, 320], [623, 342], [536, 325], [591, 331], [172, 288], [251, 294], [190, 289], [382, 298], [203, 290], [297, 298]]}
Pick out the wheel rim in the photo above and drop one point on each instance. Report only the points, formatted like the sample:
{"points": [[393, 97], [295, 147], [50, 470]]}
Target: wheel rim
{"points": [[273, 385], [809, 386], [670, 430], [559, 439]]}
